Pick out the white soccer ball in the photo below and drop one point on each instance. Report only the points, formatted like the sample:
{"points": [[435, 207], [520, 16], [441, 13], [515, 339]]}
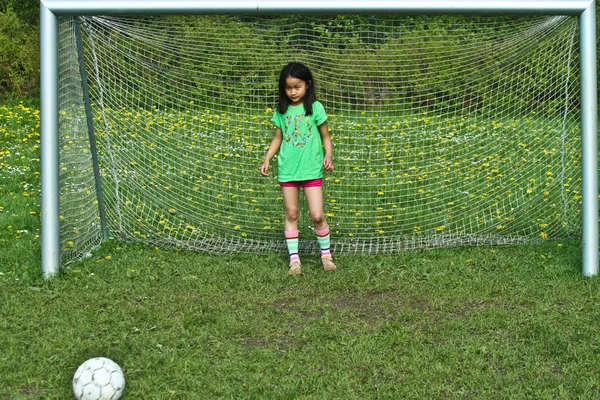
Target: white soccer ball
{"points": [[98, 379]]}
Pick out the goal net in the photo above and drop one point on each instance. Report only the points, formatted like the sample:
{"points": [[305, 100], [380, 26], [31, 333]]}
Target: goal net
{"points": [[447, 131]]}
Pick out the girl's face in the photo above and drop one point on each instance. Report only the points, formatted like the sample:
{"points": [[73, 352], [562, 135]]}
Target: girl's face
{"points": [[295, 89]]}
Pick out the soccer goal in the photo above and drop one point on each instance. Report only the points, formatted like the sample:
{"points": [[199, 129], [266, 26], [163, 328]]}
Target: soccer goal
{"points": [[454, 123]]}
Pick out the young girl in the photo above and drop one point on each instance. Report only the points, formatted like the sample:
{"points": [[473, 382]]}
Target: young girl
{"points": [[304, 145]]}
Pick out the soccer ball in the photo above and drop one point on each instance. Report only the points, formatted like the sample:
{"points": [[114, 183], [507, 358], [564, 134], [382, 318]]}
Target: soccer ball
{"points": [[98, 379]]}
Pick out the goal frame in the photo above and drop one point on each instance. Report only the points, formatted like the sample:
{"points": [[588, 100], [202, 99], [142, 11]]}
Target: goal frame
{"points": [[50, 10]]}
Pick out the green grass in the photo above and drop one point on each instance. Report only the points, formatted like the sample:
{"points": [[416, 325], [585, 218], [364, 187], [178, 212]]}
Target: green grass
{"points": [[19, 188], [423, 179], [481, 322], [511, 322]]}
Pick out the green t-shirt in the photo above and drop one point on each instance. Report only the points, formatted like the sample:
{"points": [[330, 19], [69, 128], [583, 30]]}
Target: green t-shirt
{"points": [[301, 151]]}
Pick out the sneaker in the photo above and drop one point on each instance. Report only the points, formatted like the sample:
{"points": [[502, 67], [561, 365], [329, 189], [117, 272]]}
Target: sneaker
{"points": [[295, 268], [328, 264]]}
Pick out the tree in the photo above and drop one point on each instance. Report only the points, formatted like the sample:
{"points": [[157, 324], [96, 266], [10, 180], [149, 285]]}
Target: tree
{"points": [[28, 11], [19, 57]]}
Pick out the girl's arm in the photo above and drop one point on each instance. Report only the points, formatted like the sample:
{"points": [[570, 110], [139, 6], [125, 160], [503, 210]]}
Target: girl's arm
{"points": [[327, 146], [273, 149]]}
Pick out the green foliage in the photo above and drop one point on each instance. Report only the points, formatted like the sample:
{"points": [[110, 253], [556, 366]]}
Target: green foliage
{"points": [[20, 77], [379, 56], [19, 57], [28, 11]]}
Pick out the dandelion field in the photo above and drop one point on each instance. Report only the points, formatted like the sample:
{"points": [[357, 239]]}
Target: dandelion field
{"points": [[446, 132], [20, 186], [190, 179], [470, 322]]}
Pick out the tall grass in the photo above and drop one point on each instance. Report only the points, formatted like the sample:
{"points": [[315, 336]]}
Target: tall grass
{"points": [[19, 188], [186, 177]]}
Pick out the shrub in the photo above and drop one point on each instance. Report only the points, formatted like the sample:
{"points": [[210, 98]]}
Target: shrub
{"points": [[19, 57]]}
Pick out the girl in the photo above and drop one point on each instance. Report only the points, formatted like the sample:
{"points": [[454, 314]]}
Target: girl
{"points": [[304, 145]]}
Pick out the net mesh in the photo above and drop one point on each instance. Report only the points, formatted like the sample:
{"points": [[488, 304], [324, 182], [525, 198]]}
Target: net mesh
{"points": [[447, 131]]}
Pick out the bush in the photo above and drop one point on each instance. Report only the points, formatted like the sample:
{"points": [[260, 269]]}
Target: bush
{"points": [[19, 57], [27, 11]]}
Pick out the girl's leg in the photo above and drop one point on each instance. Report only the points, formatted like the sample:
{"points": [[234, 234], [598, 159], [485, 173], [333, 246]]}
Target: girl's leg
{"points": [[292, 211], [292, 207], [314, 198]]}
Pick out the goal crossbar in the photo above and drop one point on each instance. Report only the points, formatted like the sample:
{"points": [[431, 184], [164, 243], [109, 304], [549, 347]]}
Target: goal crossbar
{"points": [[50, 10], [115, 7]]}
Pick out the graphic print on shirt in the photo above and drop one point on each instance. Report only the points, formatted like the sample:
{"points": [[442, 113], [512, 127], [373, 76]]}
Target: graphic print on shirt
{"points": [[298, 130]]}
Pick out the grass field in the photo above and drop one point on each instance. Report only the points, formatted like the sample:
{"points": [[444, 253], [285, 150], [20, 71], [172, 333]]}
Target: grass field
{"points": [[478, 322], [187, 176]]}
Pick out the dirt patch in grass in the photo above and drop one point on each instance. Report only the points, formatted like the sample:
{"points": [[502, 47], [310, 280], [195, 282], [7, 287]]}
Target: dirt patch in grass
{"points": [[370, 312]]}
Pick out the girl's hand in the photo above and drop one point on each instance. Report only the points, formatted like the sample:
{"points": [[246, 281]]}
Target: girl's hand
{"points": [[328, 163], [273, 149], [264, 168], [327, 147]]}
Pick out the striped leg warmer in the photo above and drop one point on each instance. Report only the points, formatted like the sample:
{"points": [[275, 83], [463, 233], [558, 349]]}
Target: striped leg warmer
{"points": [[291, 239], [324, 242]]}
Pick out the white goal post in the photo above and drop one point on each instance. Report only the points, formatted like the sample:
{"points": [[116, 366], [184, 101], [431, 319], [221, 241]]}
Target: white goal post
{"points": [[51, 10]]}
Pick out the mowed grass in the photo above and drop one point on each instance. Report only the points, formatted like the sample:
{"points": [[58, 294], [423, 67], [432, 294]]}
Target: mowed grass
{"points": [[477, 322], [510, 322]]}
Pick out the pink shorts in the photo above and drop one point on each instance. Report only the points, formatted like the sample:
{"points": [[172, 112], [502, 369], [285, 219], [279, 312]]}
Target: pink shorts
{"points": [[303, 184]]}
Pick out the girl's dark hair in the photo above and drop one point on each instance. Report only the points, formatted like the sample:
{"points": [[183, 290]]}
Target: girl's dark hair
{"points": [[299, 71]]}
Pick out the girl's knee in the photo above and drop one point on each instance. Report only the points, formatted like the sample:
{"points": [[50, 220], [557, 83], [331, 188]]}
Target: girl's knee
{"points": [[292, 214], [317, 219]]}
